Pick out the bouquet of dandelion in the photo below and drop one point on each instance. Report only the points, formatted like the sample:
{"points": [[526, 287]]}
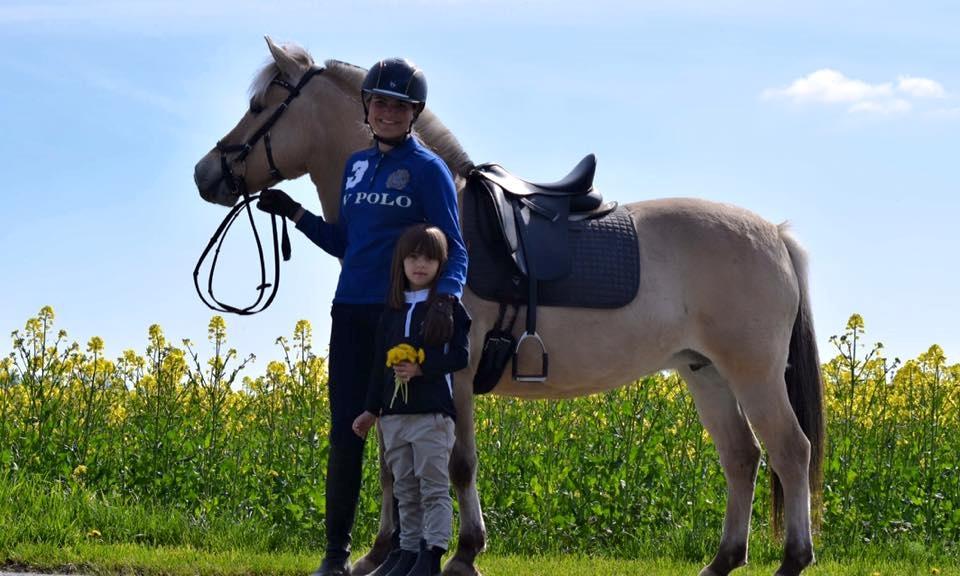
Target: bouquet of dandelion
{"points": [[402, 353]]}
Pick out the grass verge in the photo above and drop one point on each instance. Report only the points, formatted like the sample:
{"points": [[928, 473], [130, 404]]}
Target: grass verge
{"points": [[98, 559]]}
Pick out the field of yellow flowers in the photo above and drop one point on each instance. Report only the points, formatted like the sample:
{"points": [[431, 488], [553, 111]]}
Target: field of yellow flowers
{"points": [[627, 473]]}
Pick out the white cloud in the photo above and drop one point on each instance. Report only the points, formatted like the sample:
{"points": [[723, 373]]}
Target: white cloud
{"points": [[831, 87], [921, 87]]}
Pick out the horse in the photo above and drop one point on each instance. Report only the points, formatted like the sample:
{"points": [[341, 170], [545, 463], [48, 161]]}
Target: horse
{"points": [[722, 299]]}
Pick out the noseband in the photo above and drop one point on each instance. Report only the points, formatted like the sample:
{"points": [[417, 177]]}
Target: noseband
{"points": [[238, 186]]}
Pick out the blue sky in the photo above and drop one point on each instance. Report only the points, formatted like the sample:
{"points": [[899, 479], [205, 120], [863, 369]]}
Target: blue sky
{"points": [[841, 117]]}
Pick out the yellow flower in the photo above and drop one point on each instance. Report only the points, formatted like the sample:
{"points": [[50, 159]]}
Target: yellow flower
{"points": [[403, 353], [80, 470]]}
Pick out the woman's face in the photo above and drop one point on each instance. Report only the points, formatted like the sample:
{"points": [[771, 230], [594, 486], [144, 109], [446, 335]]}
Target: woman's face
{"points": [[390, 118]]}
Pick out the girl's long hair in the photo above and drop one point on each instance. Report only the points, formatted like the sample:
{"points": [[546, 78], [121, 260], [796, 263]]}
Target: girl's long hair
{"points": [[423, 239]]}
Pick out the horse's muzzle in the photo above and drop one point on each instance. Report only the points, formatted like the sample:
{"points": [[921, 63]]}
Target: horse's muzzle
{"points": [[210, 182]]}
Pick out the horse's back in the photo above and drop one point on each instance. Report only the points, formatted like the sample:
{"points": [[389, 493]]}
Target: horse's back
{"points": [[712, 276]]}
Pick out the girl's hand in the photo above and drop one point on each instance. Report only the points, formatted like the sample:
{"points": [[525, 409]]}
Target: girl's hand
{"points": [[362, 424], [406, 370]]}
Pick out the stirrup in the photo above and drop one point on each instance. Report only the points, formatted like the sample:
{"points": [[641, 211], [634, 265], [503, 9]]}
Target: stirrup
{"points": [[516, 354]]}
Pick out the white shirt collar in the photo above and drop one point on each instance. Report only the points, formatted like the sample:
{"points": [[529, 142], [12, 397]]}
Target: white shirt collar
{"points": [[412, 297]]}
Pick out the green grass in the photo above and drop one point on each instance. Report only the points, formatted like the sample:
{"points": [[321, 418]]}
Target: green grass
{"points": [[102, 559]]}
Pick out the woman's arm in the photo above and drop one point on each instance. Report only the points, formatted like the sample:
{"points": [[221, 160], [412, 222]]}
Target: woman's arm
{"points": [[331, 237], [441, 210]]}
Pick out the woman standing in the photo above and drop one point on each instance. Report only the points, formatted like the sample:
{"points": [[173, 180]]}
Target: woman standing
{"points": [[386, 188]]}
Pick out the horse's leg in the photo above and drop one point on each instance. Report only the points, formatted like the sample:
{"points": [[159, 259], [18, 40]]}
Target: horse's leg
{"points": [[764, 400], [381, 546], [463, 475], [739, 455]]}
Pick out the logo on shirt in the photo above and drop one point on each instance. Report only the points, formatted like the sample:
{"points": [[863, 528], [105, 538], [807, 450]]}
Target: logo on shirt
{"points": [[358, 169], [398, 180], [380, 199]]}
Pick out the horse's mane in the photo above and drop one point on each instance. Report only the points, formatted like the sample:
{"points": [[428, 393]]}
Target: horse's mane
{"points": [[431, 130]]}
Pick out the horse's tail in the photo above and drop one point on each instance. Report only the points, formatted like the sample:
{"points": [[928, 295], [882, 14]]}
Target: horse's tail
{"points": [[804, 388]]}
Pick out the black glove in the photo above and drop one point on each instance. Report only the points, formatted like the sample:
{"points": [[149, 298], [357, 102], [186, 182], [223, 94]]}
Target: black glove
{"points": [[438, 321], [273, 201]]}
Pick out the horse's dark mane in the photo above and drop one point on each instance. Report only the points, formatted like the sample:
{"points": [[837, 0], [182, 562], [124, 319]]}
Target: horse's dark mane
{"points": [[431, 130]]}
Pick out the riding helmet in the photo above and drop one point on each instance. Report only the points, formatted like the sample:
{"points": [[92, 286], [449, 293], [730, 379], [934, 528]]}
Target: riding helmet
{"points": [[396, 78]]}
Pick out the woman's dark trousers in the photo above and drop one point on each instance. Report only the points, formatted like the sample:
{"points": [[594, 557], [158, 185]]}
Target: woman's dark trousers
{"points": [[352, 335]]}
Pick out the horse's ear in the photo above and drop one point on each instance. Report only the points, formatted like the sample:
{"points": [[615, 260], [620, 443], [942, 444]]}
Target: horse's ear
{"points": [[290, 67]]}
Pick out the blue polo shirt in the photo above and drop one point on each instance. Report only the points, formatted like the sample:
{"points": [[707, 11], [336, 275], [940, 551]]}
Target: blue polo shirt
{"points": [[383, 194]]}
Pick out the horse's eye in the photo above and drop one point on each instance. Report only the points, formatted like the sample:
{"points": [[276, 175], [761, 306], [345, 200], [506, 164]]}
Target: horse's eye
{"points": [[255, 107]]}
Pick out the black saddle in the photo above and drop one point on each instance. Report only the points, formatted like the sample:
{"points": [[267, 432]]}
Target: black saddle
{"points": [[533, 217], [577, 185], [563, 242]]}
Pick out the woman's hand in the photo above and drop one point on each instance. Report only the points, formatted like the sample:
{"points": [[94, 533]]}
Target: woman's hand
{"points": [[407, 370], [275, 201], [362, 424], [438, 322]]}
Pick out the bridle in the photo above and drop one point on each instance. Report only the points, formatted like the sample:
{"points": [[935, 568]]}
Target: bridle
{"points": [[238, 186]]}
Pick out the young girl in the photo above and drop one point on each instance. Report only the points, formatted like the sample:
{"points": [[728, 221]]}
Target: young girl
{"points": [[414, 402]]}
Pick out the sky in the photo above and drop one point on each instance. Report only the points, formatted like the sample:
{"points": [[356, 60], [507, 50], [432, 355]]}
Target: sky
{"points": [[842, 118]]}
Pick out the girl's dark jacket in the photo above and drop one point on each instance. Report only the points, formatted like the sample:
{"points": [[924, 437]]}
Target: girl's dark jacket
{"points": [[432, 392]]}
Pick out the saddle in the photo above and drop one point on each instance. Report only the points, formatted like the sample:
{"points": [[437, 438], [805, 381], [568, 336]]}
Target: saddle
{"points": [[554, 244]]}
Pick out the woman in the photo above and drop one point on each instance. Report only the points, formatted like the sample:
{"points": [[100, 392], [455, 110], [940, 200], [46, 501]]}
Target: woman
{"points": [[386, 188]]}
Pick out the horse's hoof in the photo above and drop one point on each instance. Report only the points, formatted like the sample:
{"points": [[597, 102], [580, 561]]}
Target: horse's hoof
{"points": [[457, 567]]}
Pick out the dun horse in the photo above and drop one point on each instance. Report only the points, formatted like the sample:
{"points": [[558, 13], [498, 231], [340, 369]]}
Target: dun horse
{"points": [[722, 299]]}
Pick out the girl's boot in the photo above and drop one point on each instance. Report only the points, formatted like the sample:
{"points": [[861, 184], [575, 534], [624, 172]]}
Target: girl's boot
{"points": [[428, 561], [405, 560]]}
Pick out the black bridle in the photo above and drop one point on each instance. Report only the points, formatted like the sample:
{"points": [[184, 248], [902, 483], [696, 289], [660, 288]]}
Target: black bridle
{"points": [[238, 186]]}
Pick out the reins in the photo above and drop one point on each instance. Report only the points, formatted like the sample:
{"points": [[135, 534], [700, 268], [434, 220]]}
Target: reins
{"points": [[217, 239], [239, 187]]}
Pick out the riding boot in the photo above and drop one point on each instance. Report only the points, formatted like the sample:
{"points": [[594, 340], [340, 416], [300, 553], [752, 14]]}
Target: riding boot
{"points": [[394, 555], [405, 560], [344, 470], [428, 561]]}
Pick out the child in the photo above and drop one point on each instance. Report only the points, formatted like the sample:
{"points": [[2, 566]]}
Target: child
{"points": [[414, 402]]}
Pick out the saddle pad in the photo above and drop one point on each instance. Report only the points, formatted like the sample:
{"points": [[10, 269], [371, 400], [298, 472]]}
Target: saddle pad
{"points": [[605, 260]]}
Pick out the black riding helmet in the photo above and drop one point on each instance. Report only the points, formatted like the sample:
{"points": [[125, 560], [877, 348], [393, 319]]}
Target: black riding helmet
{"points": [[395, 78]]}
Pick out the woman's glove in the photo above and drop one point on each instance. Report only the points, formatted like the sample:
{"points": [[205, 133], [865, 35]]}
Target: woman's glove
{"points": [[273, 201], [438, 321]]}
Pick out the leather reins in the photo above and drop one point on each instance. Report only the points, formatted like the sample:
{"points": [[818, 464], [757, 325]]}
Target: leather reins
{"points": [[239, 187]]}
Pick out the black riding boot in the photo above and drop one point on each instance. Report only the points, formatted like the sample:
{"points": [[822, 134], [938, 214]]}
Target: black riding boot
{"points": [[405, 560], [394, 555], [428, 561], [344, 472]]}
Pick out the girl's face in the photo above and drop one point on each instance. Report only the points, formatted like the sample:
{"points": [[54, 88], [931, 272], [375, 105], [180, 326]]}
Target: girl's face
{"points": [[420, 270]]}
